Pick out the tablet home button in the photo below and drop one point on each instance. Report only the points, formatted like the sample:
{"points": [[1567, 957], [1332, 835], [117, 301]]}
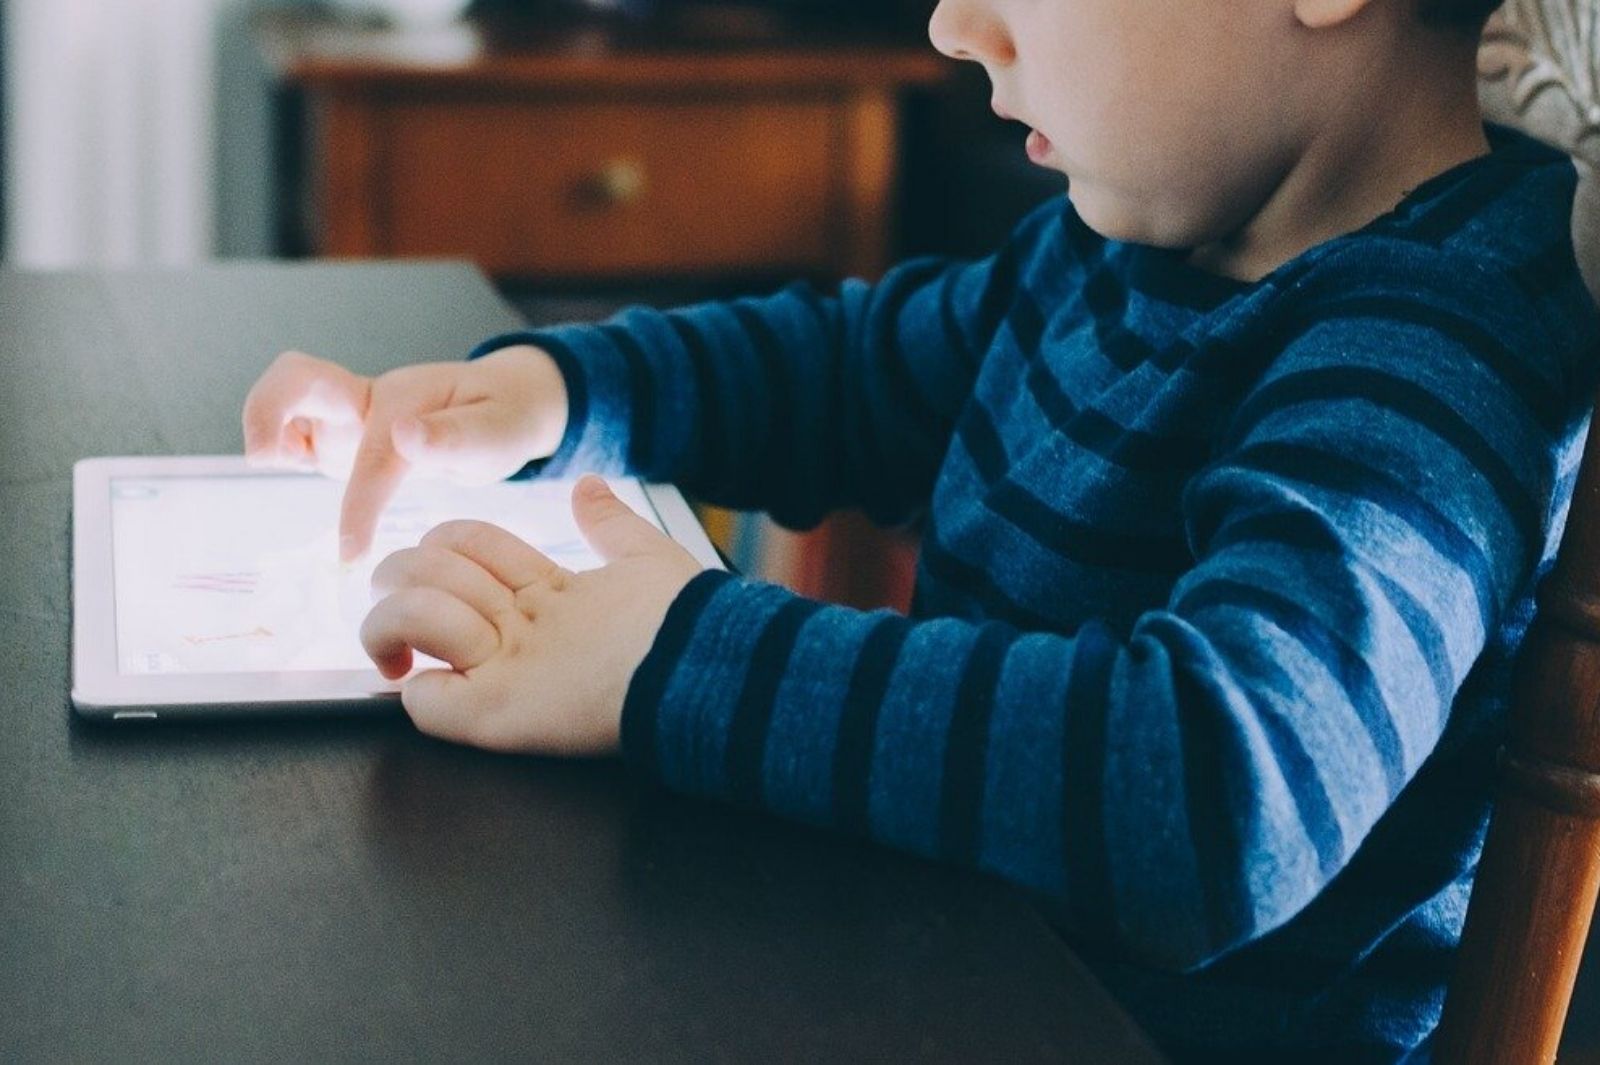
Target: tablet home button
{"points": [[134, 715]]}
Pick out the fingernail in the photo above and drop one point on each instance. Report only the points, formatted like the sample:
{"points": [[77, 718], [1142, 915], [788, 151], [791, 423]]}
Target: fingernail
{"points": [[594, 487], [347, 548]]}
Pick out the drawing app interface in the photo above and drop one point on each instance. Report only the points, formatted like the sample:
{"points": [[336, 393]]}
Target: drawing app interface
{"points": [[242, 574]]}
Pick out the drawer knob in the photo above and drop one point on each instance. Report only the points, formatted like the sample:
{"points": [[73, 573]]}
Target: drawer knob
{"points": [[621, 181]]}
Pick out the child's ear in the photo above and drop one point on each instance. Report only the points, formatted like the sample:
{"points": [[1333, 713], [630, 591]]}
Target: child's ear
{"points": [[1325, 14]]}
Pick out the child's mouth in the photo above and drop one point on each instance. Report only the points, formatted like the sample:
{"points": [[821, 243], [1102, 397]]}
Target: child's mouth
{"points": [[1039, 147]]}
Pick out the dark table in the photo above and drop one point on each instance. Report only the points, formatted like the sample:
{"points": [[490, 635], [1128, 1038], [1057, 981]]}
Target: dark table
{"points": [[343, 890]]}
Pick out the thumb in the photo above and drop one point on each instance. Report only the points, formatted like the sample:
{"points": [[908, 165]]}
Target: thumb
{"points": [[455, 439], [609, 525]]}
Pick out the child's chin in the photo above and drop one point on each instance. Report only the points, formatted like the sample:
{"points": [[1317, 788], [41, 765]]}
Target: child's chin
{"points": [[1104, 215], [1120, 219]]}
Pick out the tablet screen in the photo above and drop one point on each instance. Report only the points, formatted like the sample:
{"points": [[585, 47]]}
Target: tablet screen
{"points": [[217, 574]]}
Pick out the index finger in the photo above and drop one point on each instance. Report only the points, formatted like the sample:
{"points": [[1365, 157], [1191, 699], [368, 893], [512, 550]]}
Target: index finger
{"points": [[511, 560], [429, 620], [374, 479]]}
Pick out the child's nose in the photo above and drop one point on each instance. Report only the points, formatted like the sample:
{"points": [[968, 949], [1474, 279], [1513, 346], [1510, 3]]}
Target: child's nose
{"points": [[966, 29]]}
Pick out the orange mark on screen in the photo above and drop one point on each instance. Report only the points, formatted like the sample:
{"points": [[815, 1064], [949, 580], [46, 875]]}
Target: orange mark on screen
{"points": [[235, 582], [259, 632]]}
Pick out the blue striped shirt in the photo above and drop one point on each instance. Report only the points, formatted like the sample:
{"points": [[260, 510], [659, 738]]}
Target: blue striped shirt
{"points": [[1219, 587]]}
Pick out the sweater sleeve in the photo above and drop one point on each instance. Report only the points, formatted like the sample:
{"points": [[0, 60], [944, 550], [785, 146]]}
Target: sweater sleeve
{"points": [[799, 403], [1189, 784]]}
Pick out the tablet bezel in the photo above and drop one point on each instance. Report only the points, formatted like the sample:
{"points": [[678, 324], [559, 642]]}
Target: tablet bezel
{"points": [[101, 691]]}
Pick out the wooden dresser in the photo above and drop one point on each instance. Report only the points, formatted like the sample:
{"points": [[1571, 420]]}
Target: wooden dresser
{"points": [[583, 152]]}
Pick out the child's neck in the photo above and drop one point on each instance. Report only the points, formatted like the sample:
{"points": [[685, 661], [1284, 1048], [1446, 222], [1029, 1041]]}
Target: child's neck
{"points": [[1355, 168]]}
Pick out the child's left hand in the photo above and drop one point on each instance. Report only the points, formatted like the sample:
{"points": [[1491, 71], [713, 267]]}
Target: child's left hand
{"points": [[541, 657]]}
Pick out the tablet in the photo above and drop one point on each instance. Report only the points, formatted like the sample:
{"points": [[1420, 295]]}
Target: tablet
{"points": [[202, 586]]}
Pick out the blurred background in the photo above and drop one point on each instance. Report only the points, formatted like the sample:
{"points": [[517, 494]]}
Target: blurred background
{"points": [[142, 131], [586, 154]]}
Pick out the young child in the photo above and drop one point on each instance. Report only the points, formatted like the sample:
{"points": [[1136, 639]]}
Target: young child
{"points": [[1237, 466]]}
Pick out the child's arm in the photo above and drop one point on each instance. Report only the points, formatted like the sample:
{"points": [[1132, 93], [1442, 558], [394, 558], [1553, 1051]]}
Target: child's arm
{"points": [[1384, 494], [799, 403]]}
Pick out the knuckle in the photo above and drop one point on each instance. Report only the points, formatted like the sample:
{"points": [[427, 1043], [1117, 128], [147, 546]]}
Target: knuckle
{"points": [[393, 385], [384, 575], [417, 606], [374, 461], [427, 559], [459, 534], [325, 391], [258, 411], [369, 461], [395, 570], [292, 359], [439, 433], [510, 642], [553, 580]]}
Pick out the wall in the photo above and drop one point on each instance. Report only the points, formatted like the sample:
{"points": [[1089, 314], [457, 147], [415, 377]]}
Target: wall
{"points": [[127, 123]]}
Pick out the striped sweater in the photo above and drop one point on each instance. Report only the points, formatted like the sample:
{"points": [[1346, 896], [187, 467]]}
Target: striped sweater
{"points": [[1219, 586]]}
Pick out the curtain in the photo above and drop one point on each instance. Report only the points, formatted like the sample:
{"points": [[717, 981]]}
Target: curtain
{"points": [[109, 156]]}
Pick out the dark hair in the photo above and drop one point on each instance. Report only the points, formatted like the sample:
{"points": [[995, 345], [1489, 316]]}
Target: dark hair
{"points": [[1466, 15]]}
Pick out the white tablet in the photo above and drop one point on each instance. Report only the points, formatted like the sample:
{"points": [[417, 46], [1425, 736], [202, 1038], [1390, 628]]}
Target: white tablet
{"points": [[203, 586]]}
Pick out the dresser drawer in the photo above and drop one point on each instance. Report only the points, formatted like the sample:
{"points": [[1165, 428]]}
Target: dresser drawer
{"points": [[586, 188]]}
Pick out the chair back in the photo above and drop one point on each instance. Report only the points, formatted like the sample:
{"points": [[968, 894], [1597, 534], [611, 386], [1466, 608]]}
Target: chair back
{"points": [[1534, 894]]}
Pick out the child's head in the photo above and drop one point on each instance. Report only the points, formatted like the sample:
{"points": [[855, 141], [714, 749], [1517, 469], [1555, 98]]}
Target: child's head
{"points": [[1180, 121]]}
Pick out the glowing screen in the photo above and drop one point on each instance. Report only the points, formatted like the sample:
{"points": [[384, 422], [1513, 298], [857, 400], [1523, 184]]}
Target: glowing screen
{"points": [[242, 575]]}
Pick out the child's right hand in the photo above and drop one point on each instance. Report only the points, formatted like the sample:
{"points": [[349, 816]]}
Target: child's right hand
{"points": [[474, 422]]}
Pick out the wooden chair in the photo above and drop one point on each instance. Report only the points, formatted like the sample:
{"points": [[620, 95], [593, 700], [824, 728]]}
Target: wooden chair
{"points": [[1535, 891]]}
